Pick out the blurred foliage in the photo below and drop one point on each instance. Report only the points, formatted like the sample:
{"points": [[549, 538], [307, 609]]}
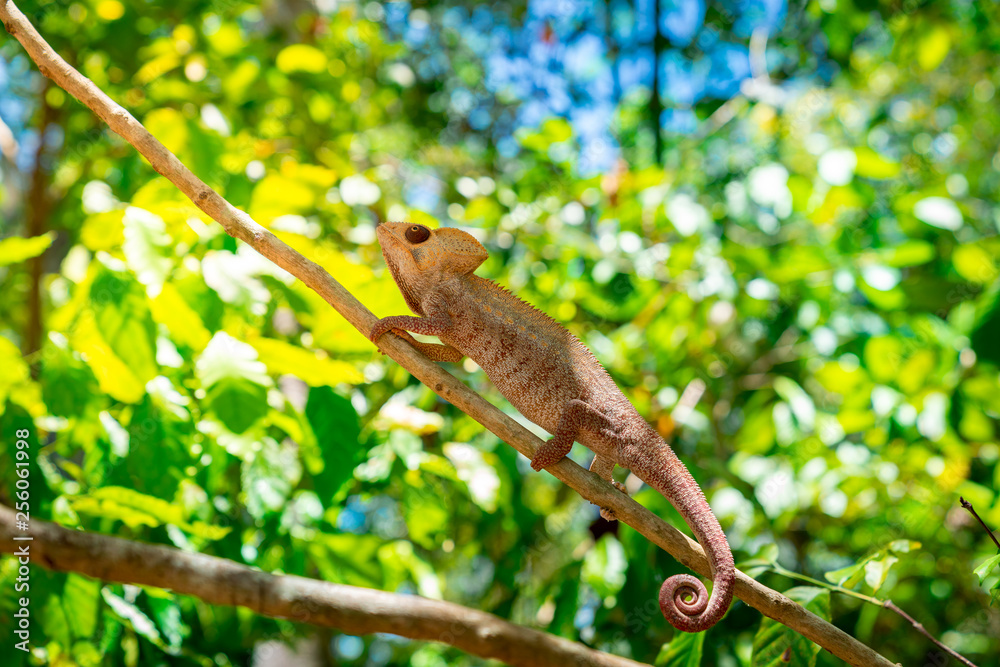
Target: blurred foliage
{"points": [[819, 255]]}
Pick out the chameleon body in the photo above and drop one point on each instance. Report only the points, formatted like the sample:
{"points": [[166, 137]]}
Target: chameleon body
{"points": [[553, 380]]}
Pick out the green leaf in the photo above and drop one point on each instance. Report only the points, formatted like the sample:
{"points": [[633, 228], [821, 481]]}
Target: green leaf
{"points": [[81, 597], [145, 246], [337, 429], [877, 570], [133, 616], [301, 58], [908, 253], [848, 576], [171, 310], [137, 509], [872, 165], [238, 403], [933, 47], [986, 567], [17, 249], [425, 509], [123, 319], [684, 650], [873, 568], [762, 562], [975, 263], [557, 129], [776, 645], [604, 566], [55, 621], [86, 654], [315, 370], [236, 382], [270, 476], [347, 559], [167, 614]]}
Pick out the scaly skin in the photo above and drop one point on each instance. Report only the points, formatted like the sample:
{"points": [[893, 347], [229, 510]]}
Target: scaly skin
{"points": [[548, 374]]}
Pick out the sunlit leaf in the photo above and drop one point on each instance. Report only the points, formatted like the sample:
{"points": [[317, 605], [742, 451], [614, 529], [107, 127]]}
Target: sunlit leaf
{"points": [[114, 376], [310, 367], [909, 253], [104, 231], [933, 47], [872, 165], [185, 326], [169, 125], [278, 195], [146, 242], [684, 650], [136, 509], [975, 263], [301, 58], [877, 570], [985, 568], [17, 249]]}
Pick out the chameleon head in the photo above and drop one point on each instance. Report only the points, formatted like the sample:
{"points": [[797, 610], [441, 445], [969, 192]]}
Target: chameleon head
{"points": [[421, 258]]}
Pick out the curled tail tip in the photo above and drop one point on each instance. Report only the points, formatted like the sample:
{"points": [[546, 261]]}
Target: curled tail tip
{"points": [[686, 605]]}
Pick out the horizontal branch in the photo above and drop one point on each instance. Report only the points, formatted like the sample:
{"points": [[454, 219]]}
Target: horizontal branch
{"points": [[239, 225], [358, 611]]}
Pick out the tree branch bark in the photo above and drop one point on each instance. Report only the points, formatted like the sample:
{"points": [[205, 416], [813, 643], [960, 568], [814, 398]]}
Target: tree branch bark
{"points": [[356, 610], [239, 225]]}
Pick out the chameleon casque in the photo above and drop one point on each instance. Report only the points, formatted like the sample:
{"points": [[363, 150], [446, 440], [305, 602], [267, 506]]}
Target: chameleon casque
{"points": [[553, 380]]}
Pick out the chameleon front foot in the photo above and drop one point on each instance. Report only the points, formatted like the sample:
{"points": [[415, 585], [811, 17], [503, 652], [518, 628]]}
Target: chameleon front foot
{"points": [[607, 513], [382, 327], [550, 453]]}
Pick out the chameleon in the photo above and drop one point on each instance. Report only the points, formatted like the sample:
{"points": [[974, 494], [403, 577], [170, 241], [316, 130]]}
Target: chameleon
{"points": [[545, 372]]}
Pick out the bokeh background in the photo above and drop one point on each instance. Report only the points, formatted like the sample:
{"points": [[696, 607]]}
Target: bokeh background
{"points": [[776, 224]]}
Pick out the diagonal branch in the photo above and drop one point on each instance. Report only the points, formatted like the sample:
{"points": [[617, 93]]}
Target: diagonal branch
{"points": [[352, 609], [239, 225], [967, 505]]}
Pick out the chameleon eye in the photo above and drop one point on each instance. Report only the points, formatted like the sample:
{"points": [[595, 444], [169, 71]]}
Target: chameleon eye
{"points": [[417, 234]]}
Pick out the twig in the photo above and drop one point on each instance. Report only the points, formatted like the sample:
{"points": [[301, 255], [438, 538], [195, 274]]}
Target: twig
{"points": [[886, 604], [349, 608], [589, 485], [889, 604], [967, 505]]}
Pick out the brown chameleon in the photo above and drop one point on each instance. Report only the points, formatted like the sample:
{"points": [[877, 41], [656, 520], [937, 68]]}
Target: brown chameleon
{"points": [[554, 380]]}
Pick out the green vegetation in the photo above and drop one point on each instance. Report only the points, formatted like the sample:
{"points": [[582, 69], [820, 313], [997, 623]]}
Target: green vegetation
{"points": [[821, 272]]}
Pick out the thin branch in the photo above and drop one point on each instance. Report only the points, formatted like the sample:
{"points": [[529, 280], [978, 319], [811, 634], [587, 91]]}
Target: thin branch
{"points": [[355, 610], [967, 505], [589, 485], [888, 604], [885, 604]]}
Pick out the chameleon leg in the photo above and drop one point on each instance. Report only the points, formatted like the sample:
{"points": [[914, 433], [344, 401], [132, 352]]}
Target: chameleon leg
{"points": [[576, 417], [604, 466], [425, 326], [432, 351]]}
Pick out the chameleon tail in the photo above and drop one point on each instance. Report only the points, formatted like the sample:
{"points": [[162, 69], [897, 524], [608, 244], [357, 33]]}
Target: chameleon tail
{"points": [[684, 600]]}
